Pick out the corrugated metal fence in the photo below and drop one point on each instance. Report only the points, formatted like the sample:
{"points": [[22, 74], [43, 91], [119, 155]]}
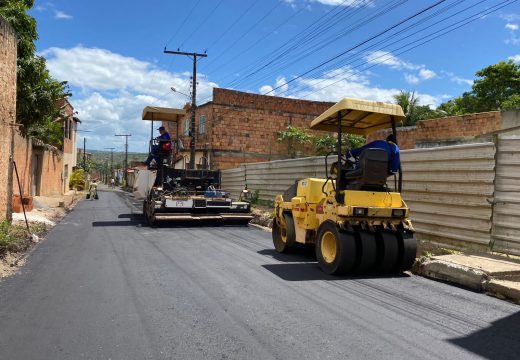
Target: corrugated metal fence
{"points": [[505, 236], [450, 191]]}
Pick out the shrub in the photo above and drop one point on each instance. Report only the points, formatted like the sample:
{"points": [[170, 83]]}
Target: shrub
{"points": [[77, 180]]}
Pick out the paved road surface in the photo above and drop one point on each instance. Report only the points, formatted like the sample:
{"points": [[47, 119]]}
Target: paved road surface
{"points": [[103, 287]]}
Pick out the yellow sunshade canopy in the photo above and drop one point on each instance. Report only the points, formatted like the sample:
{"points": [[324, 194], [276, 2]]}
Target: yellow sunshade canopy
{"points": [[163, 114], [359, 117]]}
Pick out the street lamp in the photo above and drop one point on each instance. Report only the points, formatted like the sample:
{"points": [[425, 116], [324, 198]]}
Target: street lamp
{"points": [[177, 91]]}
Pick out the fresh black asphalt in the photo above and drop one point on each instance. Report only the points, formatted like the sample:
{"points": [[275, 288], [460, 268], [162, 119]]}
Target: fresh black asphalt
{"points": [[104, 286]]}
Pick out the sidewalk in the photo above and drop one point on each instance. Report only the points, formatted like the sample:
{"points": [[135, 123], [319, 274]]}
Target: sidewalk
{"points": [[494, 275]]}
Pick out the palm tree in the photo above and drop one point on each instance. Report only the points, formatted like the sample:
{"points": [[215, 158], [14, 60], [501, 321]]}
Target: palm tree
{"points": [[408, 102]]}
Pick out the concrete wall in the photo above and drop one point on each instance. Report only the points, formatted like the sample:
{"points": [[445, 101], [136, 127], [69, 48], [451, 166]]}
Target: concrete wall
{"points": [[7, 104]]}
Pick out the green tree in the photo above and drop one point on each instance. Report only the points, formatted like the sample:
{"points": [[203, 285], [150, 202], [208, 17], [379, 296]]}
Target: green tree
{"points": [[512, 103], [37, 92], [496, 87], [496, 84], [322, 144], [414, 112], [408, 102]]}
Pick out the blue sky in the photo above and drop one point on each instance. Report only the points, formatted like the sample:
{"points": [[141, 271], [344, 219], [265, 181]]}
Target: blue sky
{"points": [[111, 52]]}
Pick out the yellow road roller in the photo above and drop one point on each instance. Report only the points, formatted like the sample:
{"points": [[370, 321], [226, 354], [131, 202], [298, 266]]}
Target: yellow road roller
{"points": [[355, 216]]}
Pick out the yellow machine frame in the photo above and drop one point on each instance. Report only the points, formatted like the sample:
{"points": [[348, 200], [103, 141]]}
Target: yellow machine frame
{"points": [[374, 225]]}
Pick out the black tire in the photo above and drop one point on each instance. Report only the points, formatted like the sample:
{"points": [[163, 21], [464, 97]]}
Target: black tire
{"points": [[387, 250], [407, 250], [335, 250], [284, 239], [367, 251]]}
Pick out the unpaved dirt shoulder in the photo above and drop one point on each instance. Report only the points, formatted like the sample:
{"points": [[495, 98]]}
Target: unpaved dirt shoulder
{"points": [[262, 216]]}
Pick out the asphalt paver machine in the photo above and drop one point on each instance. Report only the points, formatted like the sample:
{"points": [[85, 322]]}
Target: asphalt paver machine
{"points": [[355, 221], [184, 194]]}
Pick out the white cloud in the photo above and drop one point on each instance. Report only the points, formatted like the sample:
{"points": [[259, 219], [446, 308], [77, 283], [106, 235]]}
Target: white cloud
{"points": [[386, 58], [266, 89], [280, 85], [510, 17], [411, 79], [515, 58], [512, 28], [351, 3], [61, 15], [111, 90], [426, 74], [341, 83], [457, 79]]}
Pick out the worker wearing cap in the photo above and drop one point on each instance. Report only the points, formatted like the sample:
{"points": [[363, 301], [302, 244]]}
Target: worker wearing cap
{"points": [[155, 148]]}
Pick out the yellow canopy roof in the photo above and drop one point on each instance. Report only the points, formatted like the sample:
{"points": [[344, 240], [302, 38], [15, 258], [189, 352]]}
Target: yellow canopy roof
{"points": [[163, 114], [360, 117]]}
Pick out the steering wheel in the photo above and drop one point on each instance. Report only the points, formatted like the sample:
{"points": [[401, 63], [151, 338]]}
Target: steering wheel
{"points": [[346, 163]]}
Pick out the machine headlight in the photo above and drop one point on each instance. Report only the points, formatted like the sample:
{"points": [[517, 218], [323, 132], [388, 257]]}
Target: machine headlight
{"points": [[360, 211], [398, 212]]}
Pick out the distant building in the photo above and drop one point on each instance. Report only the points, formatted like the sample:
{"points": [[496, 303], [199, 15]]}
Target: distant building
{"points": [[70, 154]]}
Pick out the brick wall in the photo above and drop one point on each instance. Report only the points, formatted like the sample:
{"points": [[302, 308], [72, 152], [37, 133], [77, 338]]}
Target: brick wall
{"points": [[7, 104], [444, 131], [242, 127]]}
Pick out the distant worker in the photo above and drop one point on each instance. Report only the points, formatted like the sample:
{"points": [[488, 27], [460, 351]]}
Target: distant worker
{"points": [[93, 190], [391, 148], [154, 153], [112, 183]]}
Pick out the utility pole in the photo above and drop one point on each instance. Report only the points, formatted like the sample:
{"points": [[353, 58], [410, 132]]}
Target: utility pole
{"points": [[126, 155], [9, 208], [111, 161], [194, 56], [84, 154]]}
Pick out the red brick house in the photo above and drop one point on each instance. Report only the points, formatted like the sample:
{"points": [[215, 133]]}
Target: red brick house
{"points": [[238, 127]]}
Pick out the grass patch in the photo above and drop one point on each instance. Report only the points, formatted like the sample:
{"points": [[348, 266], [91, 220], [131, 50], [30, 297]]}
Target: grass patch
{"points": [[16, 238]]}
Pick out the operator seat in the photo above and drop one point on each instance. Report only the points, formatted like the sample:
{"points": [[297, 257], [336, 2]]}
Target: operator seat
{"points": [[371, 173]]}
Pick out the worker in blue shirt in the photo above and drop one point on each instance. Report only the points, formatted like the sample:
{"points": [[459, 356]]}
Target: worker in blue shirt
{"points": [[391, 148], [155, 148]]}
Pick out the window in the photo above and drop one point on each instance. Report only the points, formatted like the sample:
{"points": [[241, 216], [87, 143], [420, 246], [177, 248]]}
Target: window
{"points": [[186, 127], [202, 125], [66, 130]]}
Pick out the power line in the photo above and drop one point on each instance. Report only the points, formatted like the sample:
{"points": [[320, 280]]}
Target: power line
{"points": [[353, 58], [310, 48], [358, 45], [321, 21], [437, 34], [316, 27], [202, 23], [240, 17], [255, 43], [270, 11], [182, 23]]}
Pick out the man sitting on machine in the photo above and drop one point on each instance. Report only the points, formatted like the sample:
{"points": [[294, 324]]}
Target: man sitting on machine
{"points": [[391, 148], [158, 145]]}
